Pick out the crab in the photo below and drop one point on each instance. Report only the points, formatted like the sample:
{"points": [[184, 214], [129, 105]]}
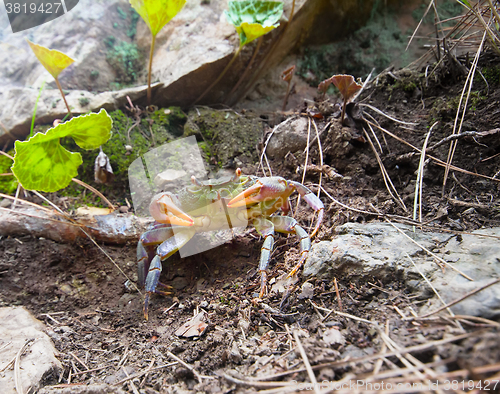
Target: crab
{"points": [[212, 205]]}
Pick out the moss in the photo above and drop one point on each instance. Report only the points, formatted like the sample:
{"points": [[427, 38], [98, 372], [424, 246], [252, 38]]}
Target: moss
{"points": [[491, 74], [109, 41], [225, 137], [445, 110], [408, 81], [122, 13], [172, 120], [83, 101], [8, 184], [132, 30], [475, 99], [446, 9], [375, 45], [125, 59]]}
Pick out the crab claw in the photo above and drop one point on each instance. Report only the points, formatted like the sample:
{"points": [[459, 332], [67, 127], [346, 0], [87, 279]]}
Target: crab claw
{"points": [[247, 197], [265, 189], [164, 210]]}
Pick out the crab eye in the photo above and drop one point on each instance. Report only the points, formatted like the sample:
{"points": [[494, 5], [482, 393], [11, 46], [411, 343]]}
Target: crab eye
{"points": [[224, 193]]}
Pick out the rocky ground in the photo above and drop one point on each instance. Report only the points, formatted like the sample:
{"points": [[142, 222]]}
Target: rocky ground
{"points": [[358, 312]]}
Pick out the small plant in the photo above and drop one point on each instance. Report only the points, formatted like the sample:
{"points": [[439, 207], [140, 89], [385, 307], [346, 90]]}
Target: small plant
{"points": [[54, 62], [345, 84], [252, 19], [156, 14], [83, 101], [41, 163]]}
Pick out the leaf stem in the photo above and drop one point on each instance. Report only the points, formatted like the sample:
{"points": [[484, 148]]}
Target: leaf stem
{"points": [[63, 96], [220, 75], [283, 109], [343, 112], [264, 61], [242, 78], [150, 68]]}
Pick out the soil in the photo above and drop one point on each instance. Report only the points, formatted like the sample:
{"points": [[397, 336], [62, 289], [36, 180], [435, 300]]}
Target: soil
{"points": [[96, 321]]}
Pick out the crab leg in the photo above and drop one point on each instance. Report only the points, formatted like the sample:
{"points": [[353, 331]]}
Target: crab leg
{"points": [[312, 200], [147, 242], [288, 225], [283, 224], [265, 228], [164, 251]]}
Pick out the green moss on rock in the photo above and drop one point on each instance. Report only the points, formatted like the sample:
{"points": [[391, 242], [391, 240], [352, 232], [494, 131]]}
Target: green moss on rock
{"points": [[225, 137]]}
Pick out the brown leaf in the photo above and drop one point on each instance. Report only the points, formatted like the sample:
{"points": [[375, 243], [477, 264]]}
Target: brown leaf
{"points": [[346, 85], [194, 327], [323, 85], [287, 75]]}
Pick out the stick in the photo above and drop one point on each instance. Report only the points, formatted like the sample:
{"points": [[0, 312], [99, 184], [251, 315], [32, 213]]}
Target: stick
{"points": [[194, 371], [310, 372]]}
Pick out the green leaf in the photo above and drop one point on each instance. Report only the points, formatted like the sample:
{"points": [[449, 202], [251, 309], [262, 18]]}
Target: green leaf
{"points": [[41, 163], [54, 61], [157, 13], [253, 18]]}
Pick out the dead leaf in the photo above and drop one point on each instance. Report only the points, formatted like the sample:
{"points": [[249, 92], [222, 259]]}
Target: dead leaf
{"points": [[103, 172], [194, 327], [287, 75], [346, 85], [323, 85]]}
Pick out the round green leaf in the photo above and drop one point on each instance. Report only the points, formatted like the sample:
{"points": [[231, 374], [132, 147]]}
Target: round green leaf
{"points": [[157, 13], [45, 166], [41, 163]]}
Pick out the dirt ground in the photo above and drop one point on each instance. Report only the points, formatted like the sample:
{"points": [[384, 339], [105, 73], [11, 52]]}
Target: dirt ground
{"points": [[97, 325]]}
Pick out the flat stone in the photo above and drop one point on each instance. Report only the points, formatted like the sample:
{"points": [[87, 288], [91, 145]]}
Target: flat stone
{"points": [[37, 363], [364, 252]]}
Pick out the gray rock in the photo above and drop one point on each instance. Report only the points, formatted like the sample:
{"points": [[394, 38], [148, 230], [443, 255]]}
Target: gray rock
{"points": [[370, 250], [289, 136], [362, 252], [479, 258], [38, 361]]}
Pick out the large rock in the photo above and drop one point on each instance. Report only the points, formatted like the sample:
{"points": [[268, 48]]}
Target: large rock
{"points": [[190, 52], [362, 252], [37, 362]]}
